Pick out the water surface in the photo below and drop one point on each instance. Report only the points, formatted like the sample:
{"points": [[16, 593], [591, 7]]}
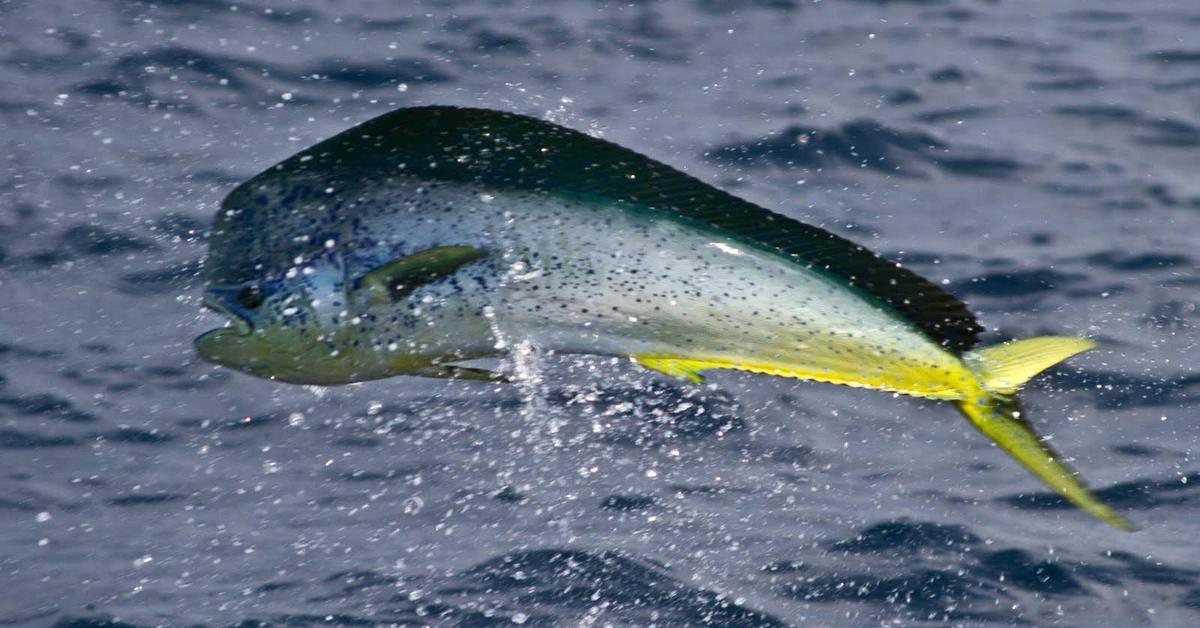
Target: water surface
{"points": [[1037, 159]]}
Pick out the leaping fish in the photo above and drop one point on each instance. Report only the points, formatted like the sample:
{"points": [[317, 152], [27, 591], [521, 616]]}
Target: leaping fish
{"points": [[433, 235]]}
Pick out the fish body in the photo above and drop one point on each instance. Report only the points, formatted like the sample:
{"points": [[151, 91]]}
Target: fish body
{"points": [[435, 235]]}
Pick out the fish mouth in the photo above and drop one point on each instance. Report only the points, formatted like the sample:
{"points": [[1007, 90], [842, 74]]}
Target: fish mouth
{"points": [[232, 344], [239, 320]]}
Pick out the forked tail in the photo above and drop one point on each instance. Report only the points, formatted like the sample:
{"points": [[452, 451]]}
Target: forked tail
{"points": [[1002, 369]]}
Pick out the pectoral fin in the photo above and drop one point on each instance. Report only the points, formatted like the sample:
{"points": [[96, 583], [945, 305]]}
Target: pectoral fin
{"points": [[398, 278]]}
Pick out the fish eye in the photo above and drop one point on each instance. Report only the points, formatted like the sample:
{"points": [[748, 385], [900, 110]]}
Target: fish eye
{"points": [[249, 297]]}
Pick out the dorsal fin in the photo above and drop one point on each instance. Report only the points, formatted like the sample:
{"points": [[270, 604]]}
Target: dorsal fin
{"points": [[515, 151]]}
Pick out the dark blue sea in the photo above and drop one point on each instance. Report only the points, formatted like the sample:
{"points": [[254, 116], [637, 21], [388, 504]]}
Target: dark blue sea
{"points": [[1039, 160]]}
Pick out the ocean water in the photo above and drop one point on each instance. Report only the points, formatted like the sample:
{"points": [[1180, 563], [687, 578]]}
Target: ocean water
{"points": [[1039, 159]]}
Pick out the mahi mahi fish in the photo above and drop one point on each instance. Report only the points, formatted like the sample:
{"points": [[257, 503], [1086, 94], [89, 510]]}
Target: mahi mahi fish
{"points": [[430, 236]]}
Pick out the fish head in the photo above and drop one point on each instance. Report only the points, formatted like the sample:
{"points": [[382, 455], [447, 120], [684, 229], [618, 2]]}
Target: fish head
{"points": [[278, 276]]}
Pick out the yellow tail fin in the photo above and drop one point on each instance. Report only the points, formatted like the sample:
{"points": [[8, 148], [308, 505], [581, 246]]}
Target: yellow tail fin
{"points": [[1005, 368], [1002, 369]]}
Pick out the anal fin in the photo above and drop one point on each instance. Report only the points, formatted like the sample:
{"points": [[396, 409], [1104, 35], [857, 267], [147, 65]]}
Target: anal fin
{"points": [[674, 367], [690, 368]]}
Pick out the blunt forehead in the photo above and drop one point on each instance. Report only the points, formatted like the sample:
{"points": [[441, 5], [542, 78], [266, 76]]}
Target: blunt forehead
{"points": [[268, 222]]}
